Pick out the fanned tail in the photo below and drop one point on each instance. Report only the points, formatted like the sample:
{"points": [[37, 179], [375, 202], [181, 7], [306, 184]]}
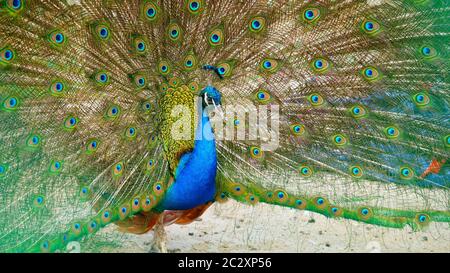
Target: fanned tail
{"points": [[79, 145], [356, 92], [362, 91]]}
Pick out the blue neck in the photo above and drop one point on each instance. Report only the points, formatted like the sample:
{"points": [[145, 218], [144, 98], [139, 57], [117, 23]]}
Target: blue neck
{"points": [[195, 176]]}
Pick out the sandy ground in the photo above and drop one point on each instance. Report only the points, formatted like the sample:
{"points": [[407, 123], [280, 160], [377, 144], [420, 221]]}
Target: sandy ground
{"points": [[235, 227]]}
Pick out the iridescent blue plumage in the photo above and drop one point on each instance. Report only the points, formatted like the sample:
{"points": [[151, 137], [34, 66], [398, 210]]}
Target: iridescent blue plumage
{"points": [[195, 175]]}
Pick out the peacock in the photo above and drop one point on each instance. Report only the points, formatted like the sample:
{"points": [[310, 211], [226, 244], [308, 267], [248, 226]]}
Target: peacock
{"points": [[143, 113]]}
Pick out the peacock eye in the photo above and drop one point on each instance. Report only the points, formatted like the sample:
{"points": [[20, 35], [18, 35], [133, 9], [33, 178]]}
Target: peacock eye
{"points": [[174, 31], [57, 88], [194, 6], [150, 11], [339, 140], [57, 38], [164, 68], [358, 111], [428, 52], [158, 189], [316, 100], [311, 15], [190, 62], [422, 218], [117, 170], [297, 129], [3, 169], [130, 133], [356, 171], [256, 153], [216, 37], [45, 246], [6, 55], [71, 122], [39, 201], [14, 5], [392, 132], [320, 65], [447, 140], [257, 24], [113, 112], [11, 103], [371, 73], [306, 171], [139, 81], [92, 146], [33, 141], [365, 213], [103, 32], [102, 78], [406, 173], [140, 45], [370, 27], [55, 167], [269, 65]]}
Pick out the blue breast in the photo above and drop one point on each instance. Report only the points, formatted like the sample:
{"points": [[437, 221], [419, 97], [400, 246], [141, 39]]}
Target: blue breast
{"points": [[196, 173]]}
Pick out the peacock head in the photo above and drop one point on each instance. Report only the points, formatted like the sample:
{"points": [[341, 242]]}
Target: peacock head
{"points": [[211, 96]]}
